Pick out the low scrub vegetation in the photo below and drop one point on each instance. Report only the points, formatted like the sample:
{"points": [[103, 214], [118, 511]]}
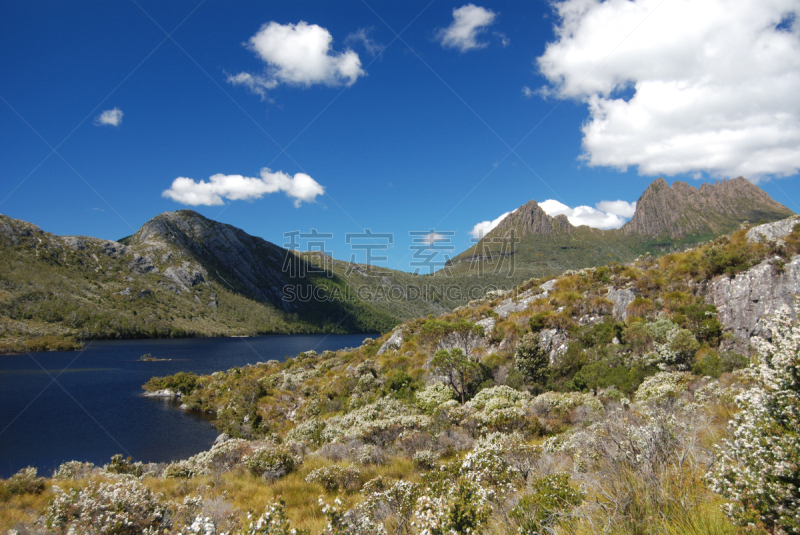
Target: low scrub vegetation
{"points": [[538, 411]]}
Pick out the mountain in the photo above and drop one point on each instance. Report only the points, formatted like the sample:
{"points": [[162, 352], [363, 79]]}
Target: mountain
{"points": [[182, 274], [682, 210], [667, 218]]}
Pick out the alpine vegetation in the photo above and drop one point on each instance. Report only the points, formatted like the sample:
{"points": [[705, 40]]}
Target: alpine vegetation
{"points": [[619, 399]]}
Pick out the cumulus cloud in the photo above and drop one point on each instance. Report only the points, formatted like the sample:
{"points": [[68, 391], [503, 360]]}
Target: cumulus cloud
{"points": [[301, 187], [109, 118], [485, 227], [620, 208], [608, 214], [527, 92], [298, 54], [682, 86], [362, 37], [469, 21]]}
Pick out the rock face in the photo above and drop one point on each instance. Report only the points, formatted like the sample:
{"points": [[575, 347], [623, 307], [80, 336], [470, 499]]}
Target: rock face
{"points": [[554, 343], [394, 341], [531, 219], [248, 264], [772, 231], [681, 209], [621, 298], [744, 300]]}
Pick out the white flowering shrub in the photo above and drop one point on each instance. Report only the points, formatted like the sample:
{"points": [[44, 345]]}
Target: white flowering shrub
{"points": [[270, 462], [370, 454], [273, 522], [664, 385], [425, 459], [125, 507], [220, 458], [459, 508], [379, 423], [759, 468], [201, 525], [73, 470], [433, 396], [561, 403], [333, 478], [501, 408], [387, 498]]}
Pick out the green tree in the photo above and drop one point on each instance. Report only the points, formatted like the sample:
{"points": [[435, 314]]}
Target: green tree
{"points": [[457, 370], [531, 360]]}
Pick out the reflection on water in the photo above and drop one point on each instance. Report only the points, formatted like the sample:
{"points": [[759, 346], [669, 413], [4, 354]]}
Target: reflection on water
{"points": [[87, 405]]}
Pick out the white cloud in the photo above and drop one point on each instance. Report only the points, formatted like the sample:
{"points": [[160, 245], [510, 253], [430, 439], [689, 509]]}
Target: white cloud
{"points": [[362, 36], [298, 54], [695, 87], [469, 21], [257, 85], [527, 92], [433, 238], [485, 227], [608, 214], [301, 188], [620, 208], [109, 118]]}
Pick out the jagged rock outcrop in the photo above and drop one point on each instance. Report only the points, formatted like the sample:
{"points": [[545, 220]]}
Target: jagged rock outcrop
{"points": [[744, 300], [681, 209], [532, 219]]}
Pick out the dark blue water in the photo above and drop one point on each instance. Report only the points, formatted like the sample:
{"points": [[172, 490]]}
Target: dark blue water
{"points": [[94, 408]]}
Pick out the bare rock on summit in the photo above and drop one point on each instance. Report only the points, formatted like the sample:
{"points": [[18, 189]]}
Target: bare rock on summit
{"points": [[680, 209], [745, 300]]}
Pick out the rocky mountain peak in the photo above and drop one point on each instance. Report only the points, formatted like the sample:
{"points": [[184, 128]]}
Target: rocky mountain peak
{"points": [[532, 219], [680, 209]]}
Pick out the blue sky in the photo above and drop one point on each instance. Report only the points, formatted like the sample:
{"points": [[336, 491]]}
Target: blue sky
{"points": [[473, 110]]}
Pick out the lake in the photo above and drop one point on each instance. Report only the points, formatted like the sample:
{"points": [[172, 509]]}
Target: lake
{"points": [[94, 408]]}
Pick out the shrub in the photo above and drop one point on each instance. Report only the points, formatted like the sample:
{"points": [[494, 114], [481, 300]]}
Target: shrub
{"points": [[425, 459], [433, 396], [25, 482], [664, 385], [550, 499], [270, 462], [122, 508], [122, 465], [182, 382], [371, 454], [530, 360], [759, 470], [334, 478], [461, 509], [273, 522], [73, 470]]}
